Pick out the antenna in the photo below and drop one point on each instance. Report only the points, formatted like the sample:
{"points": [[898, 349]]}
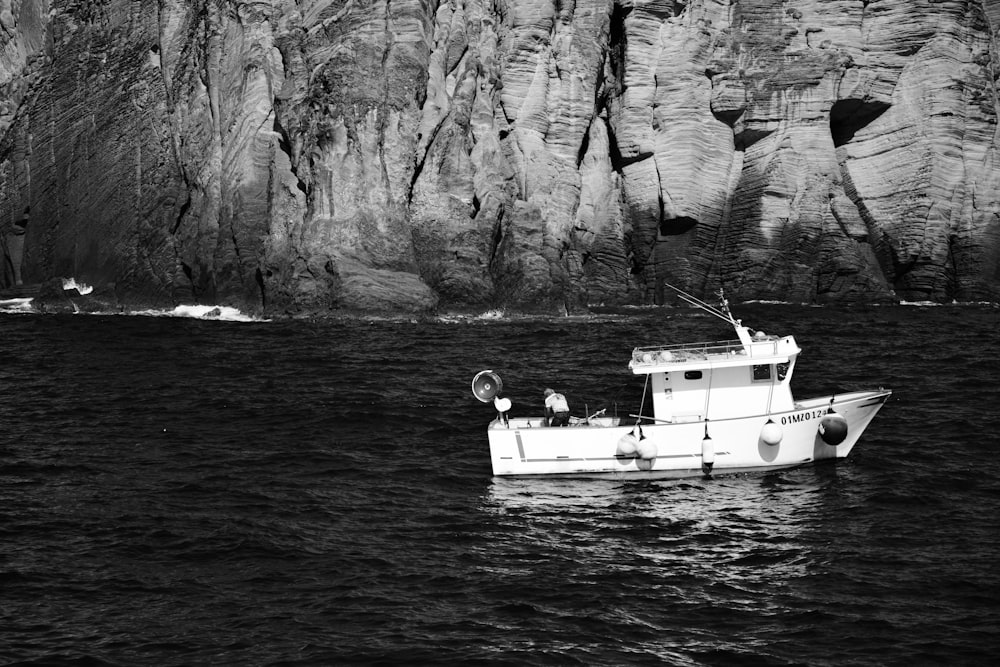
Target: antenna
{"points": [[723, 314], [725, 304]]}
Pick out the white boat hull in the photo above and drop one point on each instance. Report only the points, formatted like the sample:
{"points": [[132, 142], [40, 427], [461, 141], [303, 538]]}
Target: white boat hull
{"points": [[524, 447]]}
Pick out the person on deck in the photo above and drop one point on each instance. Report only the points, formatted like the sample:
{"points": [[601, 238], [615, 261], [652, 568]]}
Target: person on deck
{"points": [[556, 409]]}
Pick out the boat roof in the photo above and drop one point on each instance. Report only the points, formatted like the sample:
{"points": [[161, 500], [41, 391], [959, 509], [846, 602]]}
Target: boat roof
{"points": [[748, 351]]}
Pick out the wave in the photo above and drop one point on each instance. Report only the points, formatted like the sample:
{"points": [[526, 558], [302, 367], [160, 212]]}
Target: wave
{"points": [[489, 315], [202, 312], [774, 302], [510, 317], [495, 314], [935, 304], [19, 305], [82, 288], [199, 312]]}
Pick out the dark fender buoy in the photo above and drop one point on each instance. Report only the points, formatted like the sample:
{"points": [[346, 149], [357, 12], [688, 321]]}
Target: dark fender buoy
{"points": [[833, 428]]}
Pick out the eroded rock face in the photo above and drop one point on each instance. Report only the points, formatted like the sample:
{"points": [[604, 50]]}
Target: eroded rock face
{"points": [[407, 155]]}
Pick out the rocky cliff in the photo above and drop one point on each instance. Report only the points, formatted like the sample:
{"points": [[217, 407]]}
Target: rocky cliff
{"points": [[410, 154]]}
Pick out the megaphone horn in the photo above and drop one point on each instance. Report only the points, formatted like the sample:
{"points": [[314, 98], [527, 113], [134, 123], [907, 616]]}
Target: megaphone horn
{"points": [[486, 386]]}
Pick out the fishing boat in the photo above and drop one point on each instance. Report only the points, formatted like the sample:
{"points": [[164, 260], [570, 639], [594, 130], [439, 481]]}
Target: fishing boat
{"points": [[716, 407]]}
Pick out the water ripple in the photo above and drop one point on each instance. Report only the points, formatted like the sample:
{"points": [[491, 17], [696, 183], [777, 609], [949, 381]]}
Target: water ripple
{"points": [[292, 493]]}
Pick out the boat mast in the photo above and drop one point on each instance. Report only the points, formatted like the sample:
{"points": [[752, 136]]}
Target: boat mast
{"points": [[723, 314]]}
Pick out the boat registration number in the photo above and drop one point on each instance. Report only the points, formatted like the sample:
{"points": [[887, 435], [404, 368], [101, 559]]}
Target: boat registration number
{"points": [[803, 416]]}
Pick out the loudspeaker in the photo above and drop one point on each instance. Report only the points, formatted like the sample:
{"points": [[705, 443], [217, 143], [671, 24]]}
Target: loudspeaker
{"points": [[486, 386]]}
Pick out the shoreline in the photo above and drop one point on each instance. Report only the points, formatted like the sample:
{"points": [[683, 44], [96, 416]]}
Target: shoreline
{"points": [[76, 304]]}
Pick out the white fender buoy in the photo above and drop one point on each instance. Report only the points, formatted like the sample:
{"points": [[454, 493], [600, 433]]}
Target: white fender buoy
{"points": [[646, 449], [627, 445], [501, 404], [707, 452], [771, 434], [833, 428]]}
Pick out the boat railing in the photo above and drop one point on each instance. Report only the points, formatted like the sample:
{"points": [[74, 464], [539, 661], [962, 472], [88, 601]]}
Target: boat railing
{"points": [[660, 354], [762, 345]]}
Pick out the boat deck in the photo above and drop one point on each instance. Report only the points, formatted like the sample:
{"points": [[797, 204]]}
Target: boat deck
{"points": [[539, 422]]}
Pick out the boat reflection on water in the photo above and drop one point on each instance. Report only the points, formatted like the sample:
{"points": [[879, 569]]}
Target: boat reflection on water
{"points": [[772, 494], [748, 532]]}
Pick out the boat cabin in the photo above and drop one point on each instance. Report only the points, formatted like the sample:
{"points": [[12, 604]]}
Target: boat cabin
{"points": [[719, 380]]}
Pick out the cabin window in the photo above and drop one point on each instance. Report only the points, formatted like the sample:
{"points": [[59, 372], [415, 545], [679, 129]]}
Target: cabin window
{"points": [[692, 375], [782, 371], [761, 372]]}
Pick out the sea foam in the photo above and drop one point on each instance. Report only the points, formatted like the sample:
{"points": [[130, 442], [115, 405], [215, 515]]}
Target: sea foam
{"points": [[19, 305], [82, 288], [201, 312]]}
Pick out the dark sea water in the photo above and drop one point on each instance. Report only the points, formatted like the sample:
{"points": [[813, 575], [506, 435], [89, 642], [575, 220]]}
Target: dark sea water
{"points": [[185, 492]]}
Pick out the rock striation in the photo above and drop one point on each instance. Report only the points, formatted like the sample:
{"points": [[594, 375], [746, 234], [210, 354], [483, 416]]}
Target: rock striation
{"points": [[361, 155]]}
